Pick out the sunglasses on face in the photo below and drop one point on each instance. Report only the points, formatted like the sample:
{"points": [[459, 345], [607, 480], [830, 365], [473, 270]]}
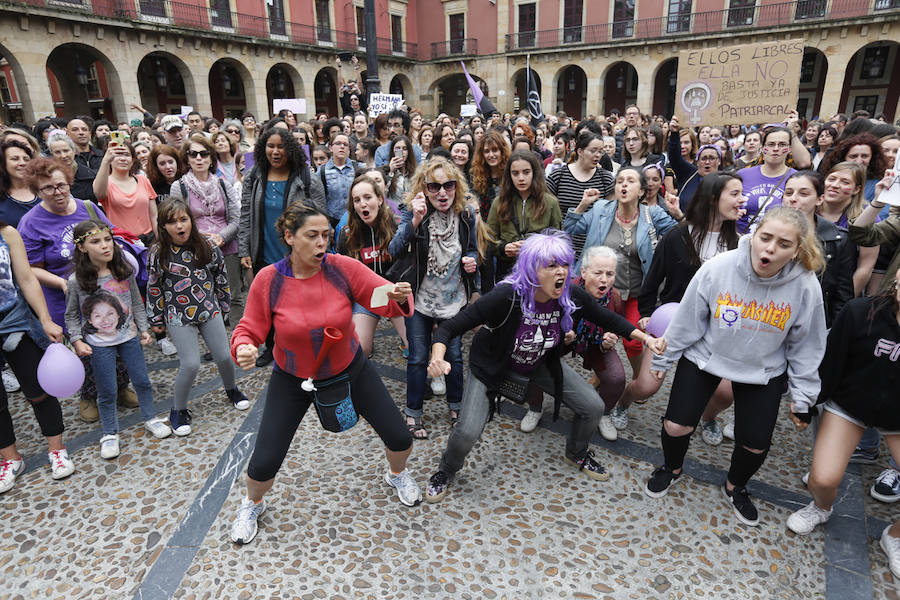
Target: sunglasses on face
{"points": [[232, 131], [198, 153], [434, 187]]}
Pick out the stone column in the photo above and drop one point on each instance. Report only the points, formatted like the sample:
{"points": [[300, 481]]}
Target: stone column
{"points": [[834, 85]]}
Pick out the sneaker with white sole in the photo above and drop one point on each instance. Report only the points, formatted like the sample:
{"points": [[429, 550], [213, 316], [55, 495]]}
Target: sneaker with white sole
{"points": [[10, 382], [891, 547], [607, 429], [438, 486], [728, 430], [9, 470], [711, 432], [739, 499], [887, 486], [61, 466], [238, 399], [619, 417], [660, 481], [530, 421], [109, 446], [167, 347], [438, 386], [805, 478], [158, 428], [180, 420], [245, 525], [408, 490], [805, 520]]}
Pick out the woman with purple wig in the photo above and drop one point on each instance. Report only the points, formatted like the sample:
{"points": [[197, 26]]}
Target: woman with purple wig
{"points": [[525, 319]]}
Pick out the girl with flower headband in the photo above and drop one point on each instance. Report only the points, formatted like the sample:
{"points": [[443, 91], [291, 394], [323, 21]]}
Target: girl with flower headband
{"points": [[104, 316], [525, 318]]}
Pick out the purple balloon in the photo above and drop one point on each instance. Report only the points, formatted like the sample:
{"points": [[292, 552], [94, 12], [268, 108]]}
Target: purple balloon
{"points": [[660, 319], [60, 372]]}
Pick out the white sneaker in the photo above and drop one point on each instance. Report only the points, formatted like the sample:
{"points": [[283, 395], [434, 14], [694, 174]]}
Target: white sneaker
{"points": [[167, 347], [158, 428], [438, 386], [891, 547], [109, 446], [607, 429], [9, 470], [530, 420], [244, 528], [805, 478], [408, 490], [728, 430], [711, 432], [805, 520], [60, 464], [619, 417], [10, 383]]}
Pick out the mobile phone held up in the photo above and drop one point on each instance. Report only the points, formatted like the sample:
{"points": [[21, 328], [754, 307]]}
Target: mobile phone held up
{"points": [[119, 137]]}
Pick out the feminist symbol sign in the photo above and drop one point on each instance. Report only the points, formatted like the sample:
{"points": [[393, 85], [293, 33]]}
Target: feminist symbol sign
{"points": [[695, 98]]}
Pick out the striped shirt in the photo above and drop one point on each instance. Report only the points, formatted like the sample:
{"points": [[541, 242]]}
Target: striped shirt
{"points": [[568, 190]]}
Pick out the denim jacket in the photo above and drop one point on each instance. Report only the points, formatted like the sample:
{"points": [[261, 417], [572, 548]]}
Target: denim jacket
{"points": [[597, 222]]}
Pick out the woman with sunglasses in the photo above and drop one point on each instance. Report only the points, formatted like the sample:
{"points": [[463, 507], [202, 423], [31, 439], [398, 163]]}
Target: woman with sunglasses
{"points": [[435, 250], [764, 184], [216, 207]]}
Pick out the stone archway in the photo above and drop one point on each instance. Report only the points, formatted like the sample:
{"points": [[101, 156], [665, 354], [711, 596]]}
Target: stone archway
{"points": [[283, 81], [165, 83], [620, 84], [519, 87], [813, 70], [83, 81], [872, 80], [230, 86], [571, 91], [12, 91], [326, 91], [664, 85]]}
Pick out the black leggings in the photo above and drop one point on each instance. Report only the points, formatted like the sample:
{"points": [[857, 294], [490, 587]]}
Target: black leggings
{"points": [[24, 362], [755, 406], [286, 403]]}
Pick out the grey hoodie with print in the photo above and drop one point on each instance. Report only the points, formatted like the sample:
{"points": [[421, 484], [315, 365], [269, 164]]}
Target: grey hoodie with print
{"points": [[737, 325]]}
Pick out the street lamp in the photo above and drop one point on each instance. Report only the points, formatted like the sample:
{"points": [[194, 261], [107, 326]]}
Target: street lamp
{"points": [[620, 81], [161, 81], [81, 74], [280, 83]]}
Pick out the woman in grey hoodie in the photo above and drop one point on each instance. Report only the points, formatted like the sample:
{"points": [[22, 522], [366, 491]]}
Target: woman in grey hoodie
{"points": [[753, 315]]}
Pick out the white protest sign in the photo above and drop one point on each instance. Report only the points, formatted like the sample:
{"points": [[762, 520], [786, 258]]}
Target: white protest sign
{"points": [[468, 110], [892, 194], [295, 105], [186, 110], [384, 103]]}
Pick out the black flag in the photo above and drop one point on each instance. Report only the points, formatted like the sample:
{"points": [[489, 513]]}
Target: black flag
{"points": [[533, 97]]}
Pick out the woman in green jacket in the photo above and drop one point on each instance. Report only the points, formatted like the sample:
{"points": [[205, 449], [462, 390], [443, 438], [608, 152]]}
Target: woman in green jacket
{"points": [[523, 206]]}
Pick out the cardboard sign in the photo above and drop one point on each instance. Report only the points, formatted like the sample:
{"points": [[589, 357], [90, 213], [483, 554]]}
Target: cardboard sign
{"points": [[468, 110], [295, 105], [384, 103], [751, 83]]}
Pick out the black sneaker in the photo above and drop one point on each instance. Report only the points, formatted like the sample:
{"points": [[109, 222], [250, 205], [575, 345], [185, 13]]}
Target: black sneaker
{"points": [[238, 399], [207, 357], [265, 359], [180, 420], [739, 499], [660, 481], [590, 467], [438, 485], [864, 456]]}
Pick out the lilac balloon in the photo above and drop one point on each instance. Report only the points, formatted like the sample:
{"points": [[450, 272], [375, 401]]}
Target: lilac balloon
{"points": [[60, 372], [131, 260], [660, 319]]}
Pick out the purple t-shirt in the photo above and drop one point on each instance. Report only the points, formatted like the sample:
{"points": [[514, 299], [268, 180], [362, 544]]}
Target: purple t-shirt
{"points": [[756, 188], [538, 334], [48, 240]]}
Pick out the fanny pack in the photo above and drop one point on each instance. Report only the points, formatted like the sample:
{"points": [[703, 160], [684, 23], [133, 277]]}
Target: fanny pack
{"points": [[334, 404]]}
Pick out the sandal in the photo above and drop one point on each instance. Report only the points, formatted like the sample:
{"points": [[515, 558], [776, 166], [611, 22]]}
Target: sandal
{"points": [[404, 349], [416, 429], [454, 418]]}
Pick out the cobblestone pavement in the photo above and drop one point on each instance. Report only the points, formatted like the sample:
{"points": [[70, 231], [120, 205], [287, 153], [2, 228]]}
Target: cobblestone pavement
{"points": [[518, 521]]}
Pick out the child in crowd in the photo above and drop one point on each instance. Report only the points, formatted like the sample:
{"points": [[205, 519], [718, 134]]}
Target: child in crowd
{"points": [[104, 315], [188, 292]]}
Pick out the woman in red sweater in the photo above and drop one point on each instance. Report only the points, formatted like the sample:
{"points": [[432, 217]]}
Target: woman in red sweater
{"points": [[329, 285]]}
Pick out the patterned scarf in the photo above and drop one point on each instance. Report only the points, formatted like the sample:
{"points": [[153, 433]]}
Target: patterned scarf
{"points": [[443, 242], [209, 192]]}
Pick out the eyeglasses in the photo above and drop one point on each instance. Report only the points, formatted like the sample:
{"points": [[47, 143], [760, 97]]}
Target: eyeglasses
{"points": [[49, 190], [198, 153], [448, 186], [233, 131]]}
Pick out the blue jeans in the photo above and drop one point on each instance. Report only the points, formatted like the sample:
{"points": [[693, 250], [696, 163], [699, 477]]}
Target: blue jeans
{"points": [[870, 440], [418, 333], [103, 360]]}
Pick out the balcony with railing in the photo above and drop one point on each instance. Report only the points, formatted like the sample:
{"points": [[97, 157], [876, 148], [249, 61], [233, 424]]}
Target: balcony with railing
{"points": [[698, 23], [217, 18], [449, 48]]}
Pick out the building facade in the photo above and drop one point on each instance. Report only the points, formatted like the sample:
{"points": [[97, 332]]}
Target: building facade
{"points": [[223, 57]]}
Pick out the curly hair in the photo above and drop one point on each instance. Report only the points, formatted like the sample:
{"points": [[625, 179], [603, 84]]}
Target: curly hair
{"points": [[480, 171], [877, 164], [43, 168], [293, 218], [426, 171], [382, 228], [296, 157]]}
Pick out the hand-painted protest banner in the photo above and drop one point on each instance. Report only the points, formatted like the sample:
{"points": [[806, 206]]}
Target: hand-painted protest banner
{"points": [[384, 103], [751, 83]]}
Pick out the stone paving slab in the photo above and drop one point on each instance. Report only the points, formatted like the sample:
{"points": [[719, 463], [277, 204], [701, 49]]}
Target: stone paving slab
{"points": [[518, 522]]}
